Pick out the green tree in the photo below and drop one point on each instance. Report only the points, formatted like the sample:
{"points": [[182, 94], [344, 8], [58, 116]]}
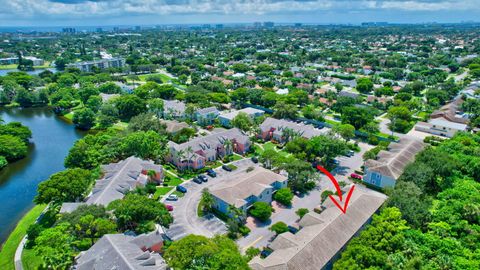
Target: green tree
{"points": [[129, 106], [301, 212], [243, 121], [16, 129], [12, 148], [55, 247], [285, 111], [346, 131], [65, 186], [356, 116], [108, 115], [146, 145], [284, 196], [84, 119], [279, 227], [207, 201], [215, 253], [364, 85], [93, 228], [135, 212], [261, 210]]}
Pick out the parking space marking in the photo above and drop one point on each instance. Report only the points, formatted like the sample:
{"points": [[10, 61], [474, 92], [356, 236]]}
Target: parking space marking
{"points": [[252, 243]]}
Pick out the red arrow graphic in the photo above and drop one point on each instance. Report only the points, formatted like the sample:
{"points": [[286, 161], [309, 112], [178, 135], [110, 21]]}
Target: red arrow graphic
{"points": [[339, 191]]}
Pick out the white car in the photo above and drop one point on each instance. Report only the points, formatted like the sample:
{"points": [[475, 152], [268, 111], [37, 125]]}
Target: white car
{"points": [[172, 197]]}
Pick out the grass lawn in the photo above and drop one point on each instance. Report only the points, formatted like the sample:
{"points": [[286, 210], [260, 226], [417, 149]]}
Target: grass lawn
{"points": [[269, 146], [30, 261], [161, 191], [331, 122], [12, 66], [172, 180], [214, 164], [164, 77], [233, 167], [69, 115], [120, 125], [10, 246], [178, 193], [236, 157]]}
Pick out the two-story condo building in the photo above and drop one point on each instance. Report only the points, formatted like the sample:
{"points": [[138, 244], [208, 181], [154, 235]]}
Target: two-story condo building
{"points": [[384, 171], [226, 118], [254, 186], [195, 153], [274, 129]]}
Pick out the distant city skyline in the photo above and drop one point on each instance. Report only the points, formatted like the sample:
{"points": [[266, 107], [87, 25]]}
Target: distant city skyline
{"points": [[16, 13]]}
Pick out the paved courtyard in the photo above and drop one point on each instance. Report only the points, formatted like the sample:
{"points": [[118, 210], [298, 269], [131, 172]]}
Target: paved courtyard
{"points": [[185, 212]]}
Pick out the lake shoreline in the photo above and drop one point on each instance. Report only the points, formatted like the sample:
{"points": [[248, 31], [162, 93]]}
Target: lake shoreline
{"points": [[52, 137]]}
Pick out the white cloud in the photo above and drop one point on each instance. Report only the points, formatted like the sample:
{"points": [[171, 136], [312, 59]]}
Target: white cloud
{"points": [[68, 9]]}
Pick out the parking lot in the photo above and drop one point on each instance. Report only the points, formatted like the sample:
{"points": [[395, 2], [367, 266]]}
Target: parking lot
{"points": [[185, 210]]}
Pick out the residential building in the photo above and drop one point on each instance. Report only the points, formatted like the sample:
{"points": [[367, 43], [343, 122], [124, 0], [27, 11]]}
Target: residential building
{"points": [[389, 165], [119, 178], [322, 236], [126, 252], [14, 60], [173, 126], [87, 66], [226, 118], [206, 116], [108, 97], [258, 185], [274, 129], [346, 93], [446, 121], [195, 153], [173, 109]]}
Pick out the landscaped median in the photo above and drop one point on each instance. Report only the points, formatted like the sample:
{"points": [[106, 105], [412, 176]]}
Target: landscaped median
{"points": [[7, 253]]}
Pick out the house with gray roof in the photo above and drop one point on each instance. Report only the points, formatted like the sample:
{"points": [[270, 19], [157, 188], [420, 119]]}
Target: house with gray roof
{"points": [[173, 126], [196, 152], [206, 116], [173, 109], [389, 165], [257, 185], [321, 236], [446, 121], [119, 178], [274, 129], [125, 252], [226, 118]]}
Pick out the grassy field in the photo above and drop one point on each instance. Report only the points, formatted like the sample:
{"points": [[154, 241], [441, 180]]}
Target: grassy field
{"points": [[164, 77], [8, 249], [12, 66], [161, 191], [30, 261]]}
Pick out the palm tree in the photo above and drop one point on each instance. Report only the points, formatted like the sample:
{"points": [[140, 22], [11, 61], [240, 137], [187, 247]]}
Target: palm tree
{"points": [[227, 145], [189, 152], [289, 134], [236, 213], [207, 200], [180, 155]]}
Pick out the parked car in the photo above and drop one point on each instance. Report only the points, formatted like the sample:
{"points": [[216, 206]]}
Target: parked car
{"points": [[169, 207], [350, 153], [203, 178], [211, 173], [254, 159], [172, 197], [226, 168], [334, 161], [265, 253], [292, 229], [197, 180], [356, 176], [181, 189]]}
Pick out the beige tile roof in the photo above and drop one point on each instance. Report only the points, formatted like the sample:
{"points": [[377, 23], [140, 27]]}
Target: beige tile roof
{"points": [[247, 184], [322, 236], [392, 162]]}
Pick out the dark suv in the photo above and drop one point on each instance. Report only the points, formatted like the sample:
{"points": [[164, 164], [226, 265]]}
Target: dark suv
{"points": [[203, 178], [211, 173]]}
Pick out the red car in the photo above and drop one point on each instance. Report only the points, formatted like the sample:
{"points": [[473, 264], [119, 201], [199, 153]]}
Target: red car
{"points": [[356, 176], [169, 207]]}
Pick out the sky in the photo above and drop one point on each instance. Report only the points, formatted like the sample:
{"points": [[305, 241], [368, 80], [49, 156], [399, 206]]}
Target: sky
{"points": [[153, 12]]}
